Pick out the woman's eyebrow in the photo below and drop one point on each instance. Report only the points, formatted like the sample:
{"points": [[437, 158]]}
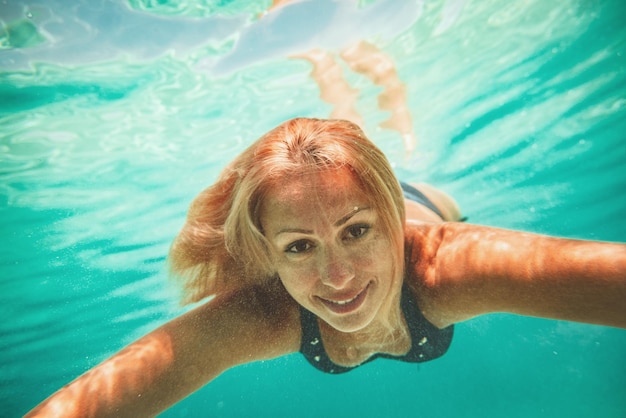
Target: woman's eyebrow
{"points": [[340, 222], [294, 230], [353, 212]]}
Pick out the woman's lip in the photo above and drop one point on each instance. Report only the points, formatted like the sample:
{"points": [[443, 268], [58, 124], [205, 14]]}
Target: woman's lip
{"points": [[343, 306]]}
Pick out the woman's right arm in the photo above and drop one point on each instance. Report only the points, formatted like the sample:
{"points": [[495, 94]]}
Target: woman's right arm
{"points": [[181, 356]]}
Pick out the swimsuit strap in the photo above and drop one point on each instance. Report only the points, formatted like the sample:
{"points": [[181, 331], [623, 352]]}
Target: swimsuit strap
{"points": [[427, 341], [415, 195], [311, 345]]}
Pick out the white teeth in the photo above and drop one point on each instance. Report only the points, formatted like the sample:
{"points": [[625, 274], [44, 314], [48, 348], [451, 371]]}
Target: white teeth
{"points": [[343, 302]]}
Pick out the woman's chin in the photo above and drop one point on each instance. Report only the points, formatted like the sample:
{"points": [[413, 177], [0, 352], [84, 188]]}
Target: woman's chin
{"points": [[352, 322]]}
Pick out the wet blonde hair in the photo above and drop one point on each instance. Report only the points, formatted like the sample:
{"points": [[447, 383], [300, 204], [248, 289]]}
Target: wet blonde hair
{"points": [[221, 247]]}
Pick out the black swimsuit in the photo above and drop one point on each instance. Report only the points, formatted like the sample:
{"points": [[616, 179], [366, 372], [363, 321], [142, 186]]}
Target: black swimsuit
{"points": [[415, 195], [427, 341]]}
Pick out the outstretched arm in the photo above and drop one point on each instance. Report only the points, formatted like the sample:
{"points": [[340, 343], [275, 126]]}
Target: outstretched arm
{"points": [[173, 361], [464, 270]]}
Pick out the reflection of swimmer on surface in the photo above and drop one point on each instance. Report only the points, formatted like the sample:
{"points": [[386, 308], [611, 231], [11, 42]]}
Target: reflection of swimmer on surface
{"points": [[364, 58]]}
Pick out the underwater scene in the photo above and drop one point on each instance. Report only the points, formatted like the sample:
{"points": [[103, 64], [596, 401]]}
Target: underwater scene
{"points": [[114, 114]]}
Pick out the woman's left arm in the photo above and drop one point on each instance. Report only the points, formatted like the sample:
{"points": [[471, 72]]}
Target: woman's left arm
{"points": [[465, 270]]}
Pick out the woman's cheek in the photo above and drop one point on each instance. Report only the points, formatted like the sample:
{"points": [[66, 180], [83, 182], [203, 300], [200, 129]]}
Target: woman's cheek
{"points": [[295, 278], [370, 254]]}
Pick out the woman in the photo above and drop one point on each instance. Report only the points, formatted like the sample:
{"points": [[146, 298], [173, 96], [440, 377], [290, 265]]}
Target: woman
{"points": [[304, 242]]}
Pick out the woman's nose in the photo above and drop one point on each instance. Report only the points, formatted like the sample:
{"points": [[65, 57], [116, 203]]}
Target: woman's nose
{"points": [[336, 269]]}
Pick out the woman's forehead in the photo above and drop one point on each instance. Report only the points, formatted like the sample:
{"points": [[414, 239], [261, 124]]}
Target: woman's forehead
{"points": [[312, 183], [305, 194]]}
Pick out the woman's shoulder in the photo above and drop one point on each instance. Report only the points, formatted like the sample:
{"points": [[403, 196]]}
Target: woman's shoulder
{"points": [[270, 302], [436, 296], [260, 320]]}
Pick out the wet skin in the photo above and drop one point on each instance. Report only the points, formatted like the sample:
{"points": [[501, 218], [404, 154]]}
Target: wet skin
{"points": [[330, 250]]}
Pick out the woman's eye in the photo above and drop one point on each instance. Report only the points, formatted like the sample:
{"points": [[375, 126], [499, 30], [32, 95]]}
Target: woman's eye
{"points": [[357, 231], [299, 247]]}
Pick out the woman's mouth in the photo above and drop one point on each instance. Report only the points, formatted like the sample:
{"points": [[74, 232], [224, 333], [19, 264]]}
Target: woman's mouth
{"points": [[344, 306]]}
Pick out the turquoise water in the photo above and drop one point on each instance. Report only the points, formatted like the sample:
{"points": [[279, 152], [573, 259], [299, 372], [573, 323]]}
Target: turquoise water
{"points": [[111, 121]]}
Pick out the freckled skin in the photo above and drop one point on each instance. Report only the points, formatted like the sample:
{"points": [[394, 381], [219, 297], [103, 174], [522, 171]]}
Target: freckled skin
{"points": [[318, 260]]}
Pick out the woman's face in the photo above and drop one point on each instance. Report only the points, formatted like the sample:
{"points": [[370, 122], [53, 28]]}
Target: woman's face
{"points": [[329, 248]]}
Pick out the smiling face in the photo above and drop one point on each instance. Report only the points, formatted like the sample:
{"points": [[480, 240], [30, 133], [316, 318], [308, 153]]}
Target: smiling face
{"points": [[330, 248]]}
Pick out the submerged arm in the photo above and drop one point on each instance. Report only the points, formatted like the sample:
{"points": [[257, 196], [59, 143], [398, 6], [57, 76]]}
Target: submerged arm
{"points": [[466, 270], [173, 361]]}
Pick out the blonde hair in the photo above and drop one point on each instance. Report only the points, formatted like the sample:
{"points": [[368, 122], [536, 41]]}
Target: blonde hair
{"points": [[221, 247]]}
